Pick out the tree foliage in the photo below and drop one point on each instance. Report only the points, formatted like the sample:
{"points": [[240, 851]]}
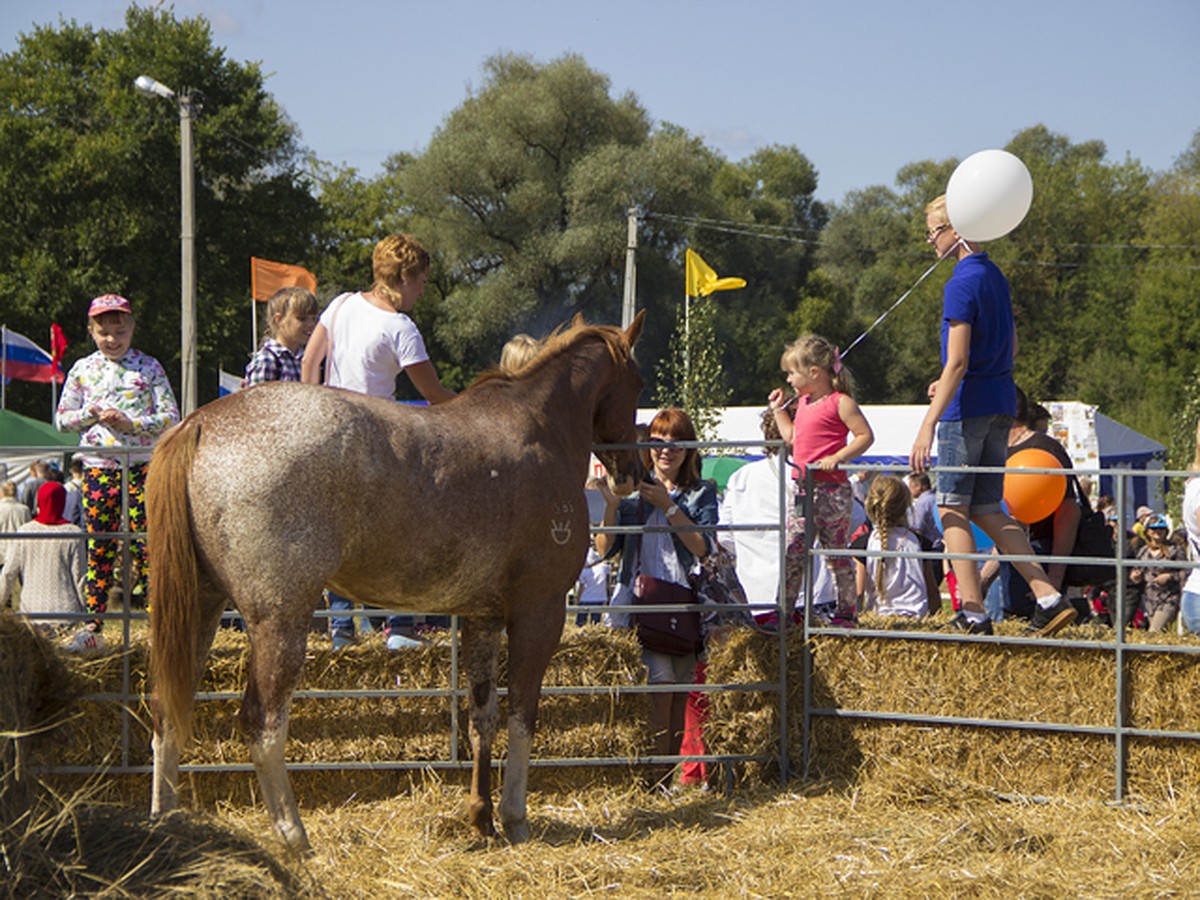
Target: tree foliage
{"points": [[522, 196], [514, 195], [691, 376], [91, 170]]}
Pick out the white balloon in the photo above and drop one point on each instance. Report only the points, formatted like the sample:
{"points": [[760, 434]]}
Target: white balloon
{"points": [[988, 195]]}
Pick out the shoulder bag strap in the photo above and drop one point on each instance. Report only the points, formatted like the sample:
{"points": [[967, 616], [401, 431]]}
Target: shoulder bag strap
{"points": [[329, 363], [1081, 498]]}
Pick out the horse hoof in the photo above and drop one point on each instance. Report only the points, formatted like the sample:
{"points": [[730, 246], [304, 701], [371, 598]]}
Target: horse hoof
{"points": [[479, 815], [517, 832], [296, 840]]}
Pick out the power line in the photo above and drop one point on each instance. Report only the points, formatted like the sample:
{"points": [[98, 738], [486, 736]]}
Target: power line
{"points": [[744, 228]]}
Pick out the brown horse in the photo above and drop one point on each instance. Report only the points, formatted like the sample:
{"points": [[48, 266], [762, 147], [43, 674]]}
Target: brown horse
{"points": [[474, 507]]}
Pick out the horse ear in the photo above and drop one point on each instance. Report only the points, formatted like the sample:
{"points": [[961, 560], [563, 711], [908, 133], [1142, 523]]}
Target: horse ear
{"points": [[577, 321], [635, 328]]}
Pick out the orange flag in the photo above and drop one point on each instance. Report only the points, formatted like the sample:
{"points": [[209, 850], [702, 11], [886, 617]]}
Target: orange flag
{"points": [[267, 277]]}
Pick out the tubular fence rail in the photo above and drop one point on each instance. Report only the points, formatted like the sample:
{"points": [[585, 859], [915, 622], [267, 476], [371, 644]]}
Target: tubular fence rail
{"points": [[127, 699]]}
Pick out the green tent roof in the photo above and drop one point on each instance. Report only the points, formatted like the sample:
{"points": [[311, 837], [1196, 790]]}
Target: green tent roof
{"points": [[719, 468], [17, 430]]}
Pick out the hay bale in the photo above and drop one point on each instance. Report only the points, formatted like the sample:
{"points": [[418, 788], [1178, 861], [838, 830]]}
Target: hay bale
{"points": [[36, 691], [361, 729], [1015, 682], [1051, 684]]}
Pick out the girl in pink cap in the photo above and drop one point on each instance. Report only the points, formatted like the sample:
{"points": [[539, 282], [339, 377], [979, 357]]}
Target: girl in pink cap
{"points": [[116, 397]]}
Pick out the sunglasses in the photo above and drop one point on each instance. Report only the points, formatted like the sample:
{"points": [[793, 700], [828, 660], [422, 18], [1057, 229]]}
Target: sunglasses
{"points": [[663, 446], [934, 232]]}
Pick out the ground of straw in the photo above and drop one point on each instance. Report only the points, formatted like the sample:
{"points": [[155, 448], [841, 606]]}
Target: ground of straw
{"points": [[888, 810]]}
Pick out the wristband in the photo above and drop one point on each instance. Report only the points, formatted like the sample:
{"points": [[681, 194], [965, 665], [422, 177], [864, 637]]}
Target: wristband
{"points": [[671, 510]]}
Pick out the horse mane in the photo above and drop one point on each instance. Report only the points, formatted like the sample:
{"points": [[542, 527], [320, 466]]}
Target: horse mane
{"points": [[563, 340]]}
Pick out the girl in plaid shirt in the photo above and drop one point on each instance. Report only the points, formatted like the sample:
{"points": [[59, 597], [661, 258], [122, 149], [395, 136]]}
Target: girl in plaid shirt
{"points": [[291, 318]]}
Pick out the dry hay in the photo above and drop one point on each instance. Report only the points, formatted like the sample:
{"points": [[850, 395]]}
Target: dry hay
{"points": [[944, 839], [57, 845], [1017, 682], [626, 842], [897, 810]]}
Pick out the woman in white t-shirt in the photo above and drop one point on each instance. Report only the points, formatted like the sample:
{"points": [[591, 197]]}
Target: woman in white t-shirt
{"points": [[365, 340], [1189, 605]]}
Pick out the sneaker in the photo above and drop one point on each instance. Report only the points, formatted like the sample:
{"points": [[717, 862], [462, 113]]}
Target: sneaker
{"points": [[1047, 622], [846, 621], [963, 624], [399, 641], [343, 639], [85, 640]]}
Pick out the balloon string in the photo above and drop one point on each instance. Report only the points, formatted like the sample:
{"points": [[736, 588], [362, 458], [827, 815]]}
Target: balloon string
{"points": [[888, 311]]}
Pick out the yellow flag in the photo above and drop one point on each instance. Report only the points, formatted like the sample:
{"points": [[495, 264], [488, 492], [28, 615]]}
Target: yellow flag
{"points": [[702, 280]]}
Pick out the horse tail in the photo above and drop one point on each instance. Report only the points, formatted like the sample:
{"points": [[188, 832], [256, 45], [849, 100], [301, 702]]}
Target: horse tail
{"points": [[174, 577]]}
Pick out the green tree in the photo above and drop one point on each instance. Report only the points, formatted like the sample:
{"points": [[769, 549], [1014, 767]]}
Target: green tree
{"points": [[523, 195], [1073, 265], [768, 234], [691, 375], [91, 170], [1164, 330], [1072, 271], [501, 196]]}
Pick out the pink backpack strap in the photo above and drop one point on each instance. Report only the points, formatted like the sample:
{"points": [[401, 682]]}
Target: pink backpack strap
{"points": [[329, 363]]}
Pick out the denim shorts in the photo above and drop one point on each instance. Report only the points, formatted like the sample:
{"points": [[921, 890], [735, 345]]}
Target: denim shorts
{"points": [[1189, 611], [978, 441]]}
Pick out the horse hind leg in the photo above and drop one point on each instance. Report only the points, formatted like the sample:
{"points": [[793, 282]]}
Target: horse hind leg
{"points": [[276, 657], [481, 652], [164, 741], [532, 640], [164, 791]]}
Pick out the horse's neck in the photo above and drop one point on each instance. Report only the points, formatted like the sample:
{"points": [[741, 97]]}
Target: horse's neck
{"points": [[563, 395]]}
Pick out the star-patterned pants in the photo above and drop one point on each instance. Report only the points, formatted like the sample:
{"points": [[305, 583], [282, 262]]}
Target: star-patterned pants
{"points": [[102, 512]]}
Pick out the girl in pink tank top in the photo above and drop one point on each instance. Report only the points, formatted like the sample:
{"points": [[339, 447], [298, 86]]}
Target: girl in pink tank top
{"points": [[826, 415]]}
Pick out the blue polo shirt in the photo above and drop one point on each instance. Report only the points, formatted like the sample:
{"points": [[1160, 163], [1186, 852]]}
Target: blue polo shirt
{"points": [[977, 294]]}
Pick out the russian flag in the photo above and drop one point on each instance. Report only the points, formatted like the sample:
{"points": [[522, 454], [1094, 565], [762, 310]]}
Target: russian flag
{"points": [[228, 384], [26, 361]]}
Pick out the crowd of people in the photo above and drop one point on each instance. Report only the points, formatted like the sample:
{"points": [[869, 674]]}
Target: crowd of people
{"points": [[886, 528]]}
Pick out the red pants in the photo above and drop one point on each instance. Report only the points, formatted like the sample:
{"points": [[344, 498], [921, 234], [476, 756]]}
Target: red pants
{"points": [[694, 718]]}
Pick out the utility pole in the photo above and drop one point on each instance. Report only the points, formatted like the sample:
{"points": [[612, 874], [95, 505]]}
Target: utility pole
{"points": [[629, 303], [187, 244]]}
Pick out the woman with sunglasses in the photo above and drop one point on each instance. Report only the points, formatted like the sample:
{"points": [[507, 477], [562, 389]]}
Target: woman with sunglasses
{"points": [[673, 495]]}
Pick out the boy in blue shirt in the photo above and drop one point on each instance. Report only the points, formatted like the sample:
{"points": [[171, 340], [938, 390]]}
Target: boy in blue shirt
{"points": [[971, 405]]}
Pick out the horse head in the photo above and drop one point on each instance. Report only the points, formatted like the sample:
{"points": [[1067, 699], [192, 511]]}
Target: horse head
{"points": [[615, 417]]}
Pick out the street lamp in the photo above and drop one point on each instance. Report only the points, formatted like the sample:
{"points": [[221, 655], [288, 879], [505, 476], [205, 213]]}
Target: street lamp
{"points": [[146, 85]]}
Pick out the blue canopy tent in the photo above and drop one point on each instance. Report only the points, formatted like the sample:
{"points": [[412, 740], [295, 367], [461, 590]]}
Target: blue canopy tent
{"points": [[1124, 448]]}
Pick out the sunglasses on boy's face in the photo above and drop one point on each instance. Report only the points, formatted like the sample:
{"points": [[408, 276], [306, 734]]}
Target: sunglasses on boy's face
{"points": [[935, 231]]}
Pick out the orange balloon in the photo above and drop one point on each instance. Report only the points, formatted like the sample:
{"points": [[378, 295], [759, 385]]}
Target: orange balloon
{"points": [[1034, 495]]}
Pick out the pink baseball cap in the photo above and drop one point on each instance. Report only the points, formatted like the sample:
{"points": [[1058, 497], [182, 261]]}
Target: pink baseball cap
{"points": [[107, 303]]}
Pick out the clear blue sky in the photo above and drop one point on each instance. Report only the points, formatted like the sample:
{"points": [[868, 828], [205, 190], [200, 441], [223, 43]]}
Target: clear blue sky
{"points": [[861, 87]]}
